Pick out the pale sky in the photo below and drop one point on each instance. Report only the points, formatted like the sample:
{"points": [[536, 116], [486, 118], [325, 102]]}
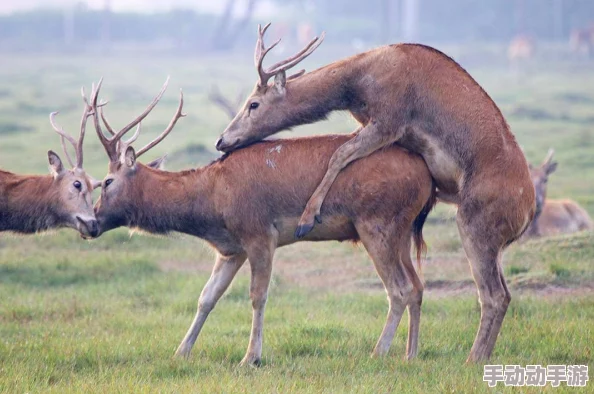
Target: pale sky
{"points": [[214, 6]]}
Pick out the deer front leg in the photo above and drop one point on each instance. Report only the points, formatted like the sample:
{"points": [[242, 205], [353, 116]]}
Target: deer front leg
{"points": [[261, 267], [369, 139], [222, 274]]}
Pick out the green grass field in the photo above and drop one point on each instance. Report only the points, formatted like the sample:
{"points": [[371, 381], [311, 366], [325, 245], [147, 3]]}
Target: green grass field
{"points": [[107, 315]]}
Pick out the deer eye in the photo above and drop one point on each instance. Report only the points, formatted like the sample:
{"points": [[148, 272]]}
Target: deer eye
{"points": [[77, 184], [108, 182], [254, 105]]}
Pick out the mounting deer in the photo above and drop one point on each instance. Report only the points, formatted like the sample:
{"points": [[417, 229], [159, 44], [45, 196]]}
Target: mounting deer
{"points": [[34, 203], [246, 205], [554, 216], [421, 99]]}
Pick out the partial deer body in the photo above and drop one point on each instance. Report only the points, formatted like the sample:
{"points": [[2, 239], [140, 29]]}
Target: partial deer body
{"points": [[247, 204], [554, 217], [34, 203], [419, 98]]}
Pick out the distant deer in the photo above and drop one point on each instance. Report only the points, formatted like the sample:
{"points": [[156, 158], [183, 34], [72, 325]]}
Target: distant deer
{"points": [[581, 41], [554, 216], [34, 203], [521, 48], [421, 99], [247, 204]]}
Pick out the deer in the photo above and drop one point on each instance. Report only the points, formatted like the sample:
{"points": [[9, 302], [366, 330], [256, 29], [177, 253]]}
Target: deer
{"points": [[520, 49], [421, 99], [554, 217], [246, 204], [581, 41], [36, 203]]}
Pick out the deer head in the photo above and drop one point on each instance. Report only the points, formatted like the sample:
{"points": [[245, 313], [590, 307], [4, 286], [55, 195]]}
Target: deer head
{"points": [[261, 114], [75, 185], [119, 185], [540, 176]]}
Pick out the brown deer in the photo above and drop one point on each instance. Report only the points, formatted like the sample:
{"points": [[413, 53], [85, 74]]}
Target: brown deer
{"points": [[554, 216], [421, 99], [34, 203], [246, 205]]}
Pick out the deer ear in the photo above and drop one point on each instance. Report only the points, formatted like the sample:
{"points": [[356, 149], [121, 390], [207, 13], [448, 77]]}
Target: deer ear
{"points": [[551, 168], [280, 80], [130, 157], [55, 164], [158, 164]]}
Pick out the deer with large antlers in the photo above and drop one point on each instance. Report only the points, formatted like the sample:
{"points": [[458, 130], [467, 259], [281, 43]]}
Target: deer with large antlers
{"points": [[34, 203], [247, 204], [554, 217], [420, 99]]}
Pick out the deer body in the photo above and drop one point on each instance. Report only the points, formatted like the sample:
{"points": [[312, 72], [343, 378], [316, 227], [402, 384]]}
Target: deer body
{"points": [[554, 217], [421, 99], [247, 204]]}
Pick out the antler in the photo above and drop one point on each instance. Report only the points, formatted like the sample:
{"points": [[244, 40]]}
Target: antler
{"points": [[549, 157], [283, 65], [115, 146], [224, 103], [77, 144]]}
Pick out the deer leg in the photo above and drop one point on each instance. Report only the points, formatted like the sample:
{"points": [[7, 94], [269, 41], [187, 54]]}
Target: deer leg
{"points": [[369, 139], [387, 252], [261, 267], [414, 322], [223, 273], [484, 251]]}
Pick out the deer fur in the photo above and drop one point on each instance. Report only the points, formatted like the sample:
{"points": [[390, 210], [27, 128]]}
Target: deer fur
{"points": [[247, 204], [554, 217], [421, 99]]}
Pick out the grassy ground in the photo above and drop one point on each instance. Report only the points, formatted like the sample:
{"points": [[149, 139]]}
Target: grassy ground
{"points": [[107, 315]]}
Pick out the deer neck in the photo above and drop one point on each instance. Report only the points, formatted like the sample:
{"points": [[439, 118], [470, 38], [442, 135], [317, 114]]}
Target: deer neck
{"points": [[28, 203], [175, 201], [314, 95]]}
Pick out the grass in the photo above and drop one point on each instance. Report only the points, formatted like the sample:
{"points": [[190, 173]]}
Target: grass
{"points": [[107, 315]]}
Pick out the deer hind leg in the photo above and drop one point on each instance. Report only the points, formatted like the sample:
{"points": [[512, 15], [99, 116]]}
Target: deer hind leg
{"points": [[261, 269], [369, 139], [388, 252], [483, 250], [414, 323], [223, 273]]}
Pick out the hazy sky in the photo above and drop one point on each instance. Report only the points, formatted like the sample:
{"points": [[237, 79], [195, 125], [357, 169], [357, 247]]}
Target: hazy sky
{"points": [[8, 6]]}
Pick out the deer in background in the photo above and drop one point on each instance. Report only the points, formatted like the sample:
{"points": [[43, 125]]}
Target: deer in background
{"points": [[581, 41], [554, 216], [246, 205], [229, 107], [421, 99], [521, 48], [35, 203]]}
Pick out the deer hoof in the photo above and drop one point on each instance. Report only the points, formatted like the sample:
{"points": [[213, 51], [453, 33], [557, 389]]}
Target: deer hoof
{"points": [[318, 218], [303, 230]]}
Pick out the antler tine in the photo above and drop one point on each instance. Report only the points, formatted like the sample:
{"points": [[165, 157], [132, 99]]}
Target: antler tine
{"points": [[122, 146], [88, 111], [549, 157], [260, 54], [286, 64], [144, 114], [110, 148], [176, 117], [64, 136]]}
